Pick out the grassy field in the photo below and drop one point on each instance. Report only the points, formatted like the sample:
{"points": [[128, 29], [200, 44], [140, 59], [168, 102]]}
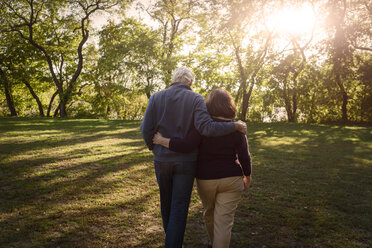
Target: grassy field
{"points": [[90, 183]]}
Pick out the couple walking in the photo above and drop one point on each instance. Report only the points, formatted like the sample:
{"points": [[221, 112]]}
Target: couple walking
{"points": [[202, 141]]}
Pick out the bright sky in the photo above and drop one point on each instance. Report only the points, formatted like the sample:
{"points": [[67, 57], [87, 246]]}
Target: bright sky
{"points": [[101, 18], [295, 21], [288, 21], [300, 20]]}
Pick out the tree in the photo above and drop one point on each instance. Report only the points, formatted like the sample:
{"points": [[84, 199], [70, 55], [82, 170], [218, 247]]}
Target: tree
{"points": [[8, 92], [365, 77], [172, 16], [238, 29], [286, 77], [131, 48], [53, 28], [349, 25], [23, 66], [127, 61], [340, 54]]}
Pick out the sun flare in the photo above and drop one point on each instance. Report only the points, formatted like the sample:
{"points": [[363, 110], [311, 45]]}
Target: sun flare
{"points": [[300, 20]]}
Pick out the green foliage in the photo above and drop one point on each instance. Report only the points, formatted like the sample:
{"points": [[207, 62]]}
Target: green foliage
{"points": [[365, 86], [273, 75], [130, 51], [175, 20], [22, 65], [213, 70], [121, 73]]}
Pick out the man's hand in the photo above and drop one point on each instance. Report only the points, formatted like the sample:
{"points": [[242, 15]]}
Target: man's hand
{"points": [[247, 182], [241, 126]]}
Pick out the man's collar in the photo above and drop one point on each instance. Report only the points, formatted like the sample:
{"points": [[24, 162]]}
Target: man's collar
{"points": [[181, 85]]}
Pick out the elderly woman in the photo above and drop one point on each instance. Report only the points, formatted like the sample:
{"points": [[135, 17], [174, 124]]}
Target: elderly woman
{"points": [[223, 170]]}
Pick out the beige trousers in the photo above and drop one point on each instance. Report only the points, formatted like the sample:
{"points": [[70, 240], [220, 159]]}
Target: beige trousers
{"points": [[220, 198]]}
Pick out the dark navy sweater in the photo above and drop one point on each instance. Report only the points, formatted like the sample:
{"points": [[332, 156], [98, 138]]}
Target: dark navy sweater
{"points": [[219, 157], [173, 112]]}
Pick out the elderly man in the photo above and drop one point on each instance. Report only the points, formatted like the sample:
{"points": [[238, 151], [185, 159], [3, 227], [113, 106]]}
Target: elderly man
{"points": [[173, 112]]}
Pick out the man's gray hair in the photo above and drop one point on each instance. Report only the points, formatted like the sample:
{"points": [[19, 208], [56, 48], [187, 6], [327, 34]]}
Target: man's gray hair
{"points": [[183, 75]]}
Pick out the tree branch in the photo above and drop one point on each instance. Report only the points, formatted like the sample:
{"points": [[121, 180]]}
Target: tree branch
{"points": [[363, 48], [6, 3]]}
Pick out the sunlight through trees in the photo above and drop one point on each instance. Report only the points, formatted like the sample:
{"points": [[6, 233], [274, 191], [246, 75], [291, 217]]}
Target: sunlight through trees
{"points": [[297, 61]]}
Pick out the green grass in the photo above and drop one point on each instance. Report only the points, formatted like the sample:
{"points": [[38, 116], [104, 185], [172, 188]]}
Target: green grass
{"points": [[90, 183]]}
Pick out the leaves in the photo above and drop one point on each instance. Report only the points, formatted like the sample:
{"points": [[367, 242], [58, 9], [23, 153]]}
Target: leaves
{"points": [[227, 43]]}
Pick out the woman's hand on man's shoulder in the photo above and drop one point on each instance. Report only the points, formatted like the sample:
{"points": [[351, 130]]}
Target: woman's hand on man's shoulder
{"points": [[241, 126]]}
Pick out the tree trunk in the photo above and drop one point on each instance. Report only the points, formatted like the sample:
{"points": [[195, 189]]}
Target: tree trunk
{"points": [[148, 88], [8, 94], [246, 97], [291, 107], [35, 97], [294, 104], [344, 107], [62, 109], [51, 102], [243, 77], [340, 52], [288, 104], [344, 97], [290, 114], [108, 110], [57, 110], [63, 95], [311, 113], [9, 99], [244, 106], [362, 110]]}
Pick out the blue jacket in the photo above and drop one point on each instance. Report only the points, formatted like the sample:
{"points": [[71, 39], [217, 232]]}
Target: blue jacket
{"points": [[173, 112]]}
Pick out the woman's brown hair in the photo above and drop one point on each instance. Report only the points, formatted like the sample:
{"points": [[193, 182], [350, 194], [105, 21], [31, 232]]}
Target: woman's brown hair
{"points": [[220, 104]]}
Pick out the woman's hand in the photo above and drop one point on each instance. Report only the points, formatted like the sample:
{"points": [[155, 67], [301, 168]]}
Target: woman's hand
{"points": [[241, 126], [160, 140], [157, 138], [247, 182]]}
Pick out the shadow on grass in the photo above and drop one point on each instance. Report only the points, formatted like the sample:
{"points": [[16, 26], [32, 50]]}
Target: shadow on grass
{"points": [[311, 188], [50, 215], [49, 200], [12, 149]]}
